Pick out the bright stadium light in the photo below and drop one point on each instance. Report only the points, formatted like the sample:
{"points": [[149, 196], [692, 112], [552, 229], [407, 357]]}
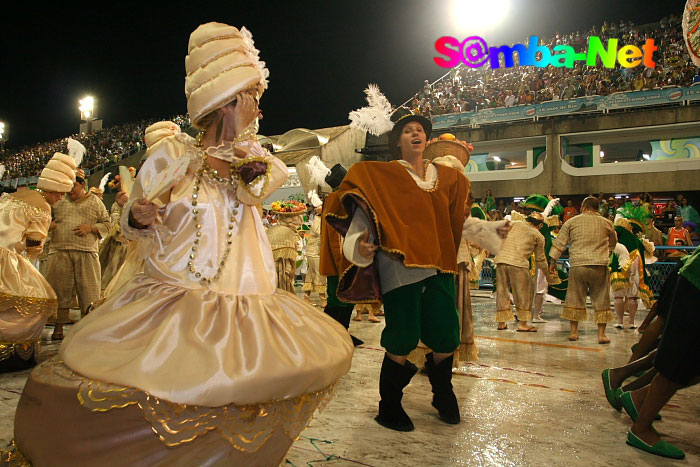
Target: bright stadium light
{"points": [[2, 131], [87, 107], [478, 15]]}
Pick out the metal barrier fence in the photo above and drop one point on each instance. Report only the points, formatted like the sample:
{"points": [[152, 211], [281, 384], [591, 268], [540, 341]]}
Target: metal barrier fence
{"points": [[657, 271]]}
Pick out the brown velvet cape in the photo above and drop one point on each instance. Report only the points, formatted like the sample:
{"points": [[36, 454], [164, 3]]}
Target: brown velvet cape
{"points": [[422, 227]]}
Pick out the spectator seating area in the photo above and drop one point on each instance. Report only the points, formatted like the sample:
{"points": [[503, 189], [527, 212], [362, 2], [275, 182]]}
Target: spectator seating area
{"points": [[466, 89], [104, 147]]}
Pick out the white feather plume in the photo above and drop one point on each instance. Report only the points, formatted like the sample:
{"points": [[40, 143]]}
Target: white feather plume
{"points": [[548, 210], [103, 181], [314, 199], [318, 171], [2, 170], [76, 150], [375, 118]]}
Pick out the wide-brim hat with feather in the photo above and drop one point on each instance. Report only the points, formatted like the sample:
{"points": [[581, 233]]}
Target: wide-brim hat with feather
{"points": [[221, 62], [377, 118], [58, 175]]}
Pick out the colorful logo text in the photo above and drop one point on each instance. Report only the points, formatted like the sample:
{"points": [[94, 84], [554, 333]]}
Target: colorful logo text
{"points": [[474, 53]]}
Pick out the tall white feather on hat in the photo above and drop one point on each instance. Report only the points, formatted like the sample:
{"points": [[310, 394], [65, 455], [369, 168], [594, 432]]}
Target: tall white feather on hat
{"points": [[103, 181], [314, 199], [2, 170], [376, 117], [318, 171], [76, 150], [548, 210]]}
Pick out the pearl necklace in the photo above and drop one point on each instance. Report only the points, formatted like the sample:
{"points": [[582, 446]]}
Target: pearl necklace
{"points": [[214, 175]]}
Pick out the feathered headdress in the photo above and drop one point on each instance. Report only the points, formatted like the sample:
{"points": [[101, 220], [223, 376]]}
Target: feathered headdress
{"points": [[550, 209], [376, 117], [2, 170], [103, 181], [638, 216], [314, 199], [318, 171], [76, 150]]}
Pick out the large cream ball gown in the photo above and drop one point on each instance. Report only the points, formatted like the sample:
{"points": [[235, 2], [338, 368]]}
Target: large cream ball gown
{"points": [[172, 370], [26, 298]]}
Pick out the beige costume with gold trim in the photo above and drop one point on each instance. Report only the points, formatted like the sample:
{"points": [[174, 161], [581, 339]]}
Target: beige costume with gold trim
{"points": [[73, 263], [113, 249], [314, 281], [590, 238], [284, 240], [171, 370], [26, 298], [513, 271]]}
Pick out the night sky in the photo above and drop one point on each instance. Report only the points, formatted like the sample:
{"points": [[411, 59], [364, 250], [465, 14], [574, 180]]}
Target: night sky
{"points": [[321, 55]]}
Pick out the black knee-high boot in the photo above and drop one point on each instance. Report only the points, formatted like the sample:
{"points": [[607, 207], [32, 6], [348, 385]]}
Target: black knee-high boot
{"points": [[342, 315], [444, 398], [392, 379]]}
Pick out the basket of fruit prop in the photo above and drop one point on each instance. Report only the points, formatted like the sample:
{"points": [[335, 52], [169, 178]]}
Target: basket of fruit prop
{"points": [[448, 145], [288, 208]]}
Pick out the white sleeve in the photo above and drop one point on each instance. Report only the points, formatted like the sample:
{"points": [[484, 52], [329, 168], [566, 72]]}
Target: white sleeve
{"points": [[622, 254], [351, 244], [483, 233]]}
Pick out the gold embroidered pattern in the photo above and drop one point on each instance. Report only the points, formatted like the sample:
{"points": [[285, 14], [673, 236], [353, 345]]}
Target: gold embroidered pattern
{"points": [[29, 210], [25, 350], [13, 457], [28, 306], [246, 427]]}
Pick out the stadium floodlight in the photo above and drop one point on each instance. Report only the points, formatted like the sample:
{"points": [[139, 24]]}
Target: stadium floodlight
{"points": [[478, 15], [87, 108], [2, 131]]}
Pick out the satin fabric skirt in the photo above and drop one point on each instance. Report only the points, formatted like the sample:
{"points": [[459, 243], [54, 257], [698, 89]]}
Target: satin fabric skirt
{"points": [[194, 346], [26, 299], [132, 266], [112, 255], [108, 425]]}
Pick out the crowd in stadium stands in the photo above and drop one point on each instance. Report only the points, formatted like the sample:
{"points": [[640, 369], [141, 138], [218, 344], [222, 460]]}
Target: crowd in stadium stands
{"points": [[104, 146], [467, 89]]}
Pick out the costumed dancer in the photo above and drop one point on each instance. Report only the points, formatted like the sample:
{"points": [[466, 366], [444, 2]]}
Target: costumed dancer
{"points": [[478, 255], [590, 238], [284, 240], [332, 261], [628, 278], [413, 275], [513, 271], [200, 360], [314, 280], [113, 249], [551, 210], [26, 298], [451, 152]]}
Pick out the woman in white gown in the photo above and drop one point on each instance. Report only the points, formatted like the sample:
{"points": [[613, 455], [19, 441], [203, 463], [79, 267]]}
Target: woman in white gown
{"points": [[26, 298], [200, 359]]}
